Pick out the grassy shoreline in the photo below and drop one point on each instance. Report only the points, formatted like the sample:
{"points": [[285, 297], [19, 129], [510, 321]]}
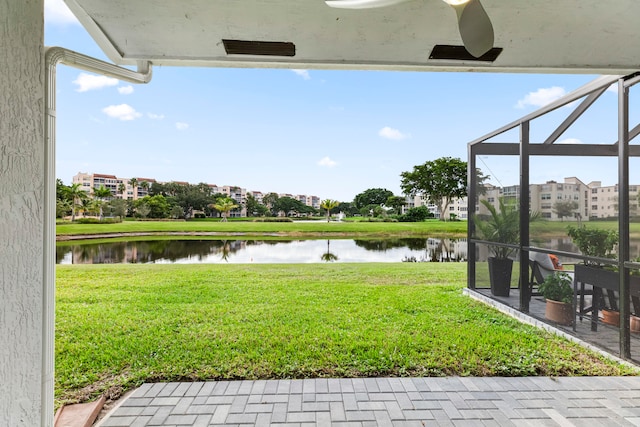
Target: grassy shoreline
{"points": [[306, 229], [120, 325], [315, 229]]}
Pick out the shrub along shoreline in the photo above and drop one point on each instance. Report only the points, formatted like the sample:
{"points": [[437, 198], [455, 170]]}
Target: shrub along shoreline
{"points": [[120, 325]]}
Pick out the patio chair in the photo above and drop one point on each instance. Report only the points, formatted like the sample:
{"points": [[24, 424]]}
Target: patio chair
{"points": [[542, 265]]}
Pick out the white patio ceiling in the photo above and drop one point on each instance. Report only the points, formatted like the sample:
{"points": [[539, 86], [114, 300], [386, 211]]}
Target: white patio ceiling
{"points": [[577, 36]]}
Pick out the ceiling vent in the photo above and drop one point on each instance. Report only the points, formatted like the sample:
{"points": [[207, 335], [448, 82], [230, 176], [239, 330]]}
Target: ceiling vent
{"points": [[459, 53], [251, 47]]}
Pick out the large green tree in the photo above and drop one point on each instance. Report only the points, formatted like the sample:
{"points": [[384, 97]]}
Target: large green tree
{"points": [[372, 196], [270, 200], [347, 208], [290, 205], [188, 196], [118, 207], [565, 208], [439, 181], [396, 203], [158, 205], [254, 208]]}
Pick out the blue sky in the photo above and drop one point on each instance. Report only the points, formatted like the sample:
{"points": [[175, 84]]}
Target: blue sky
{"points": [[327, 133]]}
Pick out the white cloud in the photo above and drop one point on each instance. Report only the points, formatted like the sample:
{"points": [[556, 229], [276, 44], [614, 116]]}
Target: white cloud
{"points": [[541, 97], [154, 116], [122, 112], [88, 82], [303, 73], [182, 125], [327, 162], [57, 12], [613, 88], [391, 133], [125, 90], [570, 141]]}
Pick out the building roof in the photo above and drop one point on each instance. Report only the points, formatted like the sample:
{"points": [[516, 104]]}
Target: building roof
{"points": [[578, 36]]}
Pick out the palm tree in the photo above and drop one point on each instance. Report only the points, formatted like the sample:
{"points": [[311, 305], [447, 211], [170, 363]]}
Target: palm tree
{"points": [[87, 205], [329, 204], [224, 205], [133, 182], [76, 193], [100, 194], [122, 188], [145, 186]]}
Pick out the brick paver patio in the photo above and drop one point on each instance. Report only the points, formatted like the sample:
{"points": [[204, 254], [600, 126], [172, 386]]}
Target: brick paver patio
{"points": [[450, 401]]}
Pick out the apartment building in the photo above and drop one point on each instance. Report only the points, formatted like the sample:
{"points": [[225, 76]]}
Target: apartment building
{"points": [[590, 201], [142, 188], [603, 201], [544, 198], [89, 181], [96, 180], [239, 195], [313, 201], [257, 195]]}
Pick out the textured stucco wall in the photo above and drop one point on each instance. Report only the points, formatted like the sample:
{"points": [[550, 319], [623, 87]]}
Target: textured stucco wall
{"points": [[21, 211]]}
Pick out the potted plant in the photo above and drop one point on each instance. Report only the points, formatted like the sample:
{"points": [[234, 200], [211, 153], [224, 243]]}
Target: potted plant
{"points": [[558, 292], [594, 242], [597, 242], [502, 225]]}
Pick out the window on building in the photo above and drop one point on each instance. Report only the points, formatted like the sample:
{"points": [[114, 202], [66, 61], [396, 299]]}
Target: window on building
{"points": [[594, 207], [545, 196], [546, 214]]}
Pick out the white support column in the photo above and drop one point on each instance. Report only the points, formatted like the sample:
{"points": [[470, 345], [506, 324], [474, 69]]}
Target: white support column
{"points": [[22, 174]]}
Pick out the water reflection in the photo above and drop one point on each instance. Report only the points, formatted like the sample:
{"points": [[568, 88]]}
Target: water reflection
{"points": [[264, 251], [431, 250], [328, 256]]}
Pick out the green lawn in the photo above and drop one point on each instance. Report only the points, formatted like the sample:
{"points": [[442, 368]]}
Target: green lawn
{"points": [[120, 325], [317, 228]]}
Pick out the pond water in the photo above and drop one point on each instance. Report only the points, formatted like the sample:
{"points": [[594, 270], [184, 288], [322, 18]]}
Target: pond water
{"points": [[284, 251], [263, 251]]}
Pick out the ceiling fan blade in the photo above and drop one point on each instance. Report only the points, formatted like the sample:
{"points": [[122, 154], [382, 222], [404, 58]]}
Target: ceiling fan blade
{"points": [[361, 4], [475, 27]]}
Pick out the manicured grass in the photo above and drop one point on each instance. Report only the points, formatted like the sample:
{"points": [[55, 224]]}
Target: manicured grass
{"points": [[317, 228], [120, 325]]}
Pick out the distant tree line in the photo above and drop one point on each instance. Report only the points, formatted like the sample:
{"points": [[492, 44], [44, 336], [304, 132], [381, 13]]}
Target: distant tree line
{"points": [[438, 181]]}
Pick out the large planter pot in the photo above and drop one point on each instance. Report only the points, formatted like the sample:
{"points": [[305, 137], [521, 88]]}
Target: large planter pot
{"points": [[611, 317], [559, 312], [500, 276], [634, 324]]}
